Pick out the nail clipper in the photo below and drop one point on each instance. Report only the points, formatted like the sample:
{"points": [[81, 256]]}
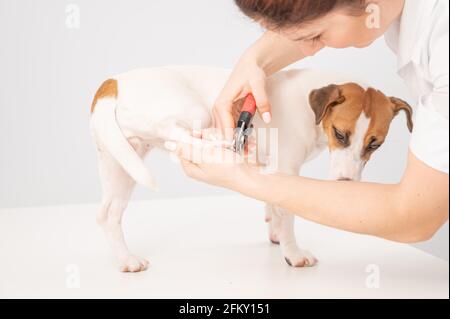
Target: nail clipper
{"points": [[244, 125]]}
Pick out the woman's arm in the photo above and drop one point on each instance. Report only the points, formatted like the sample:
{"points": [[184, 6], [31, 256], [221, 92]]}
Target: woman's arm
{"points": [[268, 55], [411, 211], [273, 52]]}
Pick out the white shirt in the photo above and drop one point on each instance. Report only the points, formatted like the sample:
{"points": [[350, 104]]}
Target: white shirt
{"points": [[420, 40]]}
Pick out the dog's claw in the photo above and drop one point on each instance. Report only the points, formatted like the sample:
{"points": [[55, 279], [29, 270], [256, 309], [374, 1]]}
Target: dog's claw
{"points": [[273, 237], [300, 258], [288, 262], [134, 264]]}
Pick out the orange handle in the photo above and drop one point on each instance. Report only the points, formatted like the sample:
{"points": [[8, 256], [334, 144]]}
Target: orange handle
{"points": [[249, 104]]}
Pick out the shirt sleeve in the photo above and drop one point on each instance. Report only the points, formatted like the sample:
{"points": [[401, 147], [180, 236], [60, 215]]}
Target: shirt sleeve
{"points": [[430, 138]]}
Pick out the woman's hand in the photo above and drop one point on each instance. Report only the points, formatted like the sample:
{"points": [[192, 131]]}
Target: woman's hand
{"points": [[212, 164], [271, 53], [247, 77]]}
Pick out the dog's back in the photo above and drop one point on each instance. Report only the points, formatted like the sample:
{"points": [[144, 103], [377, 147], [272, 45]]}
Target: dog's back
{"points": [[156, 104]]}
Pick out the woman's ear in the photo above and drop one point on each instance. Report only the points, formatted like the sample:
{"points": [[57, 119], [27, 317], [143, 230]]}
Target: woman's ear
{"points": [[322, 100], [400, 105]]}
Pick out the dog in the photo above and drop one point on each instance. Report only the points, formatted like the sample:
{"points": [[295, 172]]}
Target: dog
{"points": [[138, 111]]}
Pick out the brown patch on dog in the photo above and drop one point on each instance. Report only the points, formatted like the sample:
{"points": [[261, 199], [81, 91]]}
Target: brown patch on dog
{"points": [[338, 107], [379, 108], [109, 88], [342, 113], [400, 105], [382, 110], [322, 100]]}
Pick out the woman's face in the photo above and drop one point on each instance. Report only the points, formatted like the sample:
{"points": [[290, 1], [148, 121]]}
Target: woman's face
{"points": [[336, 30]]}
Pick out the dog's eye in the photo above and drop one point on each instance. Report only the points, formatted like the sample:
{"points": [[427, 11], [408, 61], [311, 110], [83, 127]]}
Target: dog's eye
{"points": [[341, 137], [374, 145]]}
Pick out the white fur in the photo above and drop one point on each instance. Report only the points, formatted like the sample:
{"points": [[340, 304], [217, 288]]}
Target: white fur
{"points": [[155, 105], [347, 163]]}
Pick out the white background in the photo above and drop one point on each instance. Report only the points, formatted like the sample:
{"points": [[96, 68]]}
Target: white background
{"points": [[49, 74]]}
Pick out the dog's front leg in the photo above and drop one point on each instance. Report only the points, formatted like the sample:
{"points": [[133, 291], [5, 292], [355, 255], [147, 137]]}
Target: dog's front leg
{"points": [[293, 255], [281, 222], [274, 222]]}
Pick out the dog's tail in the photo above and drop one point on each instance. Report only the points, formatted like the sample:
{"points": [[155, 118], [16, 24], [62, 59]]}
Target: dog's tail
{"points": [[109, 135]]}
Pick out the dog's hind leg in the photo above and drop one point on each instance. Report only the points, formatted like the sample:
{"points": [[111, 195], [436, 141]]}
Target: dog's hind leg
{"points": [[117, 189]]}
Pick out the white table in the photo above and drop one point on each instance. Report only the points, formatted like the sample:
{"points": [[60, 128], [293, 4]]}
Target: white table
{"points": [[210, 247]]}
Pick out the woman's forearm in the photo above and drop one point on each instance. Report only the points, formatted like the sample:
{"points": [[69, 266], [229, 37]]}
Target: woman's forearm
{"points": [[273, 52], [357, 207], [410, 211]]}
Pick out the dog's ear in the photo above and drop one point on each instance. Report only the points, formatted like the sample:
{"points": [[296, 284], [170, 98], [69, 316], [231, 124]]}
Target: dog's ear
{"points": [[400, 105], [322, 100]]}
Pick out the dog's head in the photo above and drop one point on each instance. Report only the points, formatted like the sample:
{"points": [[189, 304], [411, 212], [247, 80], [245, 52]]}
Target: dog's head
{"points": [[356, 122]]}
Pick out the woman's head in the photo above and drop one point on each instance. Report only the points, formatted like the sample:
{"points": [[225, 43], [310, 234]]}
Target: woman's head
{"points": [[320, 23], [281, 14]]}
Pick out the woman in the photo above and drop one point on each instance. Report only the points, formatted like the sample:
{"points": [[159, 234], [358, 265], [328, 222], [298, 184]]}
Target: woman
{"points": [[417, 31]]}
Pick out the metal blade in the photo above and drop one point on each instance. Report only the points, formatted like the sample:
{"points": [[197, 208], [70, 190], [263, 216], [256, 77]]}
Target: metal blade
{"points": [[239, 140]]}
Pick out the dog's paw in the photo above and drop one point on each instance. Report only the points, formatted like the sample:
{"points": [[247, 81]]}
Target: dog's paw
{"points": [[300, 258], [274, 239], [133, 264]]}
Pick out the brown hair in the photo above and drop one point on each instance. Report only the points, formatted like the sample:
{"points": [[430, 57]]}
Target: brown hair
{"points": [[287, 13]]}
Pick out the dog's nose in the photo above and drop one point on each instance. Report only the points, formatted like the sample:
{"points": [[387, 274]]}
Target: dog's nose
{"points": [[345, 179]]}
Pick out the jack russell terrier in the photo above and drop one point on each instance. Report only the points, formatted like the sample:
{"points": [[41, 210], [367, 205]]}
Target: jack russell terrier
{"points": [[135, 112]]}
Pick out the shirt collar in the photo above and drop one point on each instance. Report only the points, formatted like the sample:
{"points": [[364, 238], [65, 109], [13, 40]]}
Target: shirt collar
{"points": [[413, 22]]}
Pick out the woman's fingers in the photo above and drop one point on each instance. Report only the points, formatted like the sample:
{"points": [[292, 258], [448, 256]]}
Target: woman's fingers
{"points": [[196, 150], [223, 121], [185, 151], [262, 100], [197, 134], [192, 170], [209, 163]]}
